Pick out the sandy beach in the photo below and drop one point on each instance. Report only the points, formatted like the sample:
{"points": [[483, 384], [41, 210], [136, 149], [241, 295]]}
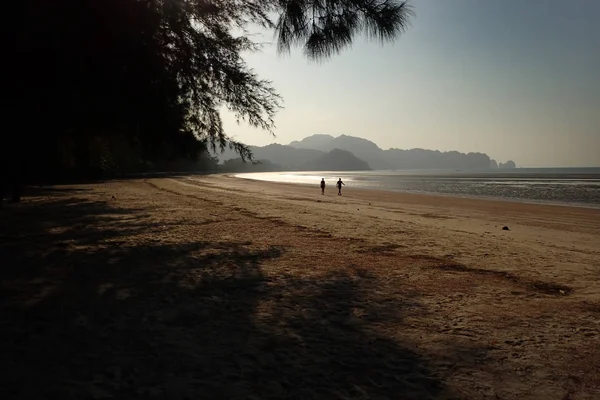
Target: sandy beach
{"points": [[224, 288]]}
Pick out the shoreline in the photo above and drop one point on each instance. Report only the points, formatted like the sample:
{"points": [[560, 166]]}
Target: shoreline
{"points": [[543, 241], [590, 206]]}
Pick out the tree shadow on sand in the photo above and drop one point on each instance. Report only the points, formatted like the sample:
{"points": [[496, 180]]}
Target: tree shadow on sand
{"points": [[192, 320]]}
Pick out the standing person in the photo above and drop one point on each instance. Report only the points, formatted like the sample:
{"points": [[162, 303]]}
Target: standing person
{"points": [[322, 185], [339, 186]]}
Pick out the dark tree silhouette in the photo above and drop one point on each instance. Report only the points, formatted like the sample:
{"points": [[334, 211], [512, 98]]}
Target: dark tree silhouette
{"points": [[326, 27], [95, 82]]}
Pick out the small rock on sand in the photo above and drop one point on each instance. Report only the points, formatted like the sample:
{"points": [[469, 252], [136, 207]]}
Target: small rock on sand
{"points": [[505, 228]]}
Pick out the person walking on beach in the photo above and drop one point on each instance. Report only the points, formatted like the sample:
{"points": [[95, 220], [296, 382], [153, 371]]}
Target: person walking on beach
{"points": [[339, 186], [322, 185]]}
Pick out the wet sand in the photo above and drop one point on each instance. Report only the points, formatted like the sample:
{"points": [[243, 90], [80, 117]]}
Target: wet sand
{"points": [[217, 287]]}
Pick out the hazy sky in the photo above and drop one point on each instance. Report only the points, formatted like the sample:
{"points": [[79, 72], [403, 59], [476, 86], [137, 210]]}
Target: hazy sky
{"points": [[516, 79]]}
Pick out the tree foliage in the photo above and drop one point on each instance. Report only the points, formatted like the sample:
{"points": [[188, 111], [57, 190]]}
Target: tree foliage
{"points": [[326, 27], [148, 77]]}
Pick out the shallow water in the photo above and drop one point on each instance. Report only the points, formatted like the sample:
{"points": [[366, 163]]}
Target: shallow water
{"points": [[569, 186]]}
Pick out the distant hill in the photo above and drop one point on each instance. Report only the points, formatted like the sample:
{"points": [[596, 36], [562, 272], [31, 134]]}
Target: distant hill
{"points": [[302, 154], [434, 159], [337, 160], [237, 165], [361, 148], [398, 158], [318, 142], [507, 165], [286, 157]]}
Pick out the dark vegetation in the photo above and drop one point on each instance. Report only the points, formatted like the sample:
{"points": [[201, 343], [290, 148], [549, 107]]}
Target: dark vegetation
{"points": [[97, 86]]}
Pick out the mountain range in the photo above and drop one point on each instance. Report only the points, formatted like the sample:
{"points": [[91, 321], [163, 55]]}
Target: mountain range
{"points": [[325, 152]]}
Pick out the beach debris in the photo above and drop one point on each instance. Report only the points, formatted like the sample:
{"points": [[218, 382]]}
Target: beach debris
{"points": [[358, 209], [505, 228], [318, 201]]}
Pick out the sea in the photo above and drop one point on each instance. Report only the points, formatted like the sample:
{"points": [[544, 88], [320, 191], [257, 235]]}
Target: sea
{"points": [[563, 186]]}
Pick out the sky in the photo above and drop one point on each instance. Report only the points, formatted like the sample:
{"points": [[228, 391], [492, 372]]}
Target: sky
{"points": [[516, 79]]}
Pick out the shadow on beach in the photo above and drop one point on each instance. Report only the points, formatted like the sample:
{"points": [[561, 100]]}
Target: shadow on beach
{"points": [[89, 314]]}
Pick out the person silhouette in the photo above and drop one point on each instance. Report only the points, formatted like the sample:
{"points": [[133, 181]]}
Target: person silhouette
{"points": [[339, 186], [322, 185]]}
